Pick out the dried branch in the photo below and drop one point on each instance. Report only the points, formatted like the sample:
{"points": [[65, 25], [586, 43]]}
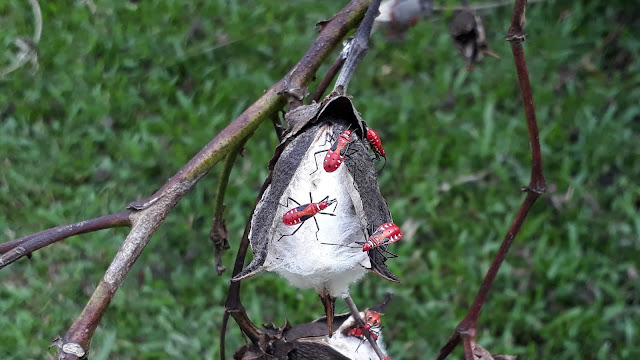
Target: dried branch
{"points": [[332, 72], [144, 222], [360, 323], [150, 213], [277, 125], [219, 235], [466, 329], [233, 305], [357, 49], [14, 250]]}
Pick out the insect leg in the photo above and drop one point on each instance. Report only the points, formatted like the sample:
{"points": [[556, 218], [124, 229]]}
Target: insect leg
{"points": [[318, 227], [293, 233], [383, 164], [383, 251], [292, 199], [352, 247], [335, 207], [328, 137], [316, 159]]}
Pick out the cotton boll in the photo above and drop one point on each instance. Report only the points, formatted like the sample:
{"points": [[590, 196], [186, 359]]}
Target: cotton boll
{"points": [[335, 258]]}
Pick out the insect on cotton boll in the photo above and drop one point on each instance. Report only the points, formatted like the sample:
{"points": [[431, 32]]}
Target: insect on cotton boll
{"points": [[308, 259], [356, 347], [331, 210]]}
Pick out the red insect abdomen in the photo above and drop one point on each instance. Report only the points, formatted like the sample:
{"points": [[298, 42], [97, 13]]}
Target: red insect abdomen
{"points": [[301, 213], [332, 161], [394, 233], [291, 217], [376, 144], [357, 332]]}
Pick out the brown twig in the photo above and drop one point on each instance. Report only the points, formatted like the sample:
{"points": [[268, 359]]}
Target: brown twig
{"points": [[328, 77], [233, 305], [358, 48], [360, 323], [218, 234], [466, 329], [144, 224], [330, 35], [15, 249], [277, 125]]}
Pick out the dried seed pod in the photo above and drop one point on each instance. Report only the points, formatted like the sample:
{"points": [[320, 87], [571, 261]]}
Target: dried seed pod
{"points": [[322, 254], [309, 341], [469, 36]]}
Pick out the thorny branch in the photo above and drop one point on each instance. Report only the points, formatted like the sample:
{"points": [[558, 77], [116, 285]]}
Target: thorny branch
{"points": [[466, 330]]}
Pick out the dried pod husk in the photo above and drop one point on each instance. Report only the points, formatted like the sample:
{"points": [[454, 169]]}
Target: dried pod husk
{"points": [[309, 341], [469, 36], [329, 258]]}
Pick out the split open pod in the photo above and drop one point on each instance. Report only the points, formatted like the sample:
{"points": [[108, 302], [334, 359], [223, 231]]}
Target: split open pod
{"points": [[313, 218]]}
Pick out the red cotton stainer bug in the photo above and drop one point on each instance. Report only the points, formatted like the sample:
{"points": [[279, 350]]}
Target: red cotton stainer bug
{"points": [[336, 153], [385, 234], [376, 145], [372, 321], [302, 213]]}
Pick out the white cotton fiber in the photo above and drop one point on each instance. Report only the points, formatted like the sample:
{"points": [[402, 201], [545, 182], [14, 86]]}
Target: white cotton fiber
{"points": [[335, 259]]}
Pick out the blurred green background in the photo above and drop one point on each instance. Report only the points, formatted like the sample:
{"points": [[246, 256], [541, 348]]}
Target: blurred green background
{"points": [[127, 92]]}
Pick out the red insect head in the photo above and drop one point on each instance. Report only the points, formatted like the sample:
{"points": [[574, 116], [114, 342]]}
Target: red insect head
{"points": [[386, 233], [335, 155], [372, 319]]}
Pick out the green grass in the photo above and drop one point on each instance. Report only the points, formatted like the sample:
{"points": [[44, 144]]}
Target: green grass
{"points": [[125, 96]]}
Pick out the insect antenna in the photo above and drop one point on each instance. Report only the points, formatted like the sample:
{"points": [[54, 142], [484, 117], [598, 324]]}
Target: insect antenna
{"points": [[383, 251], [352, 247]]}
